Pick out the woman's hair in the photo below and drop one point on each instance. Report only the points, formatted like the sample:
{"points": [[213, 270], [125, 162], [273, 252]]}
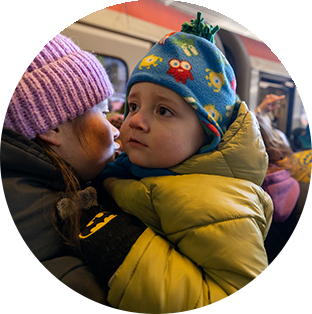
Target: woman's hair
{"points": [[276, 148], [69, 226]]}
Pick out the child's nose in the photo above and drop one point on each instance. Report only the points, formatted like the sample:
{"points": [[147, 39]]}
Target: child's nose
{"points": [[139, 121]]}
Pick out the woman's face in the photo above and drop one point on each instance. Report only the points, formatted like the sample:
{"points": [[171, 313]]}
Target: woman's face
{"points": [[90, 149]]}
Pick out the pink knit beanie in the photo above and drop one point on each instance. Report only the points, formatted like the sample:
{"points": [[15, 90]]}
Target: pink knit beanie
{"points": [[61, 83]]}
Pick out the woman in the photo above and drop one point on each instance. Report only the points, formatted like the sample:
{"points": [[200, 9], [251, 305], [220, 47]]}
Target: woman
{"points": [[38, 129]]}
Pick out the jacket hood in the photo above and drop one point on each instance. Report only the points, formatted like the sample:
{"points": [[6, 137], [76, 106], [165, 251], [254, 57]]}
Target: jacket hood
{"points": [[240, 154]]}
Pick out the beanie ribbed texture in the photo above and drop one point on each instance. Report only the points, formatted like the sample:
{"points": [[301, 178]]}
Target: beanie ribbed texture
{"points": [[61, 83]]}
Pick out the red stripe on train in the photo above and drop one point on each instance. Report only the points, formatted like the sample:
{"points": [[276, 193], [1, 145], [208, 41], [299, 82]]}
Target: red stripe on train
{"points": [[276, 54], [159, 14], [154, 12]]}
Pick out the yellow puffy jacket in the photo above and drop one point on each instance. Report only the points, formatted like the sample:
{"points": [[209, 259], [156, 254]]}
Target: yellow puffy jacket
{"points": [[215, 216]]}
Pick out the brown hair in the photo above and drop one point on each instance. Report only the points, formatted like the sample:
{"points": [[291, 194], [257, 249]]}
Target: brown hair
{"points": [[68, 227], [276, 148]]}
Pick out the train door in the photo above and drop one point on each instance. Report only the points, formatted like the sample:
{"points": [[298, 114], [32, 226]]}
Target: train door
{"points": [[279, 85]]}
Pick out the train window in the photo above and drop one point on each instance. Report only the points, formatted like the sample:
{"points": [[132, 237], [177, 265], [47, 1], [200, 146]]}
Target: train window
{"points": [[118, 73], [306, 108]]}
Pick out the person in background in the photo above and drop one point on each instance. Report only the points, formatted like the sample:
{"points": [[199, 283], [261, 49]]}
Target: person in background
{"points": [[301, 137], [269, 104], [286, 181], [305, 138], [185, 161], [281, 155], [296, 144]]}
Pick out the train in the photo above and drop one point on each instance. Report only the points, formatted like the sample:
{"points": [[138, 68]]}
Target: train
{"points": [[120, 35]]}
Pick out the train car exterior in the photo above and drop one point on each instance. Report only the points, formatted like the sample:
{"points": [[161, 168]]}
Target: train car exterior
{"points": [[122, 34]]}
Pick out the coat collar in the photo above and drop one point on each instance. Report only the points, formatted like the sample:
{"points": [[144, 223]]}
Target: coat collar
{"points": [[240, 154]]}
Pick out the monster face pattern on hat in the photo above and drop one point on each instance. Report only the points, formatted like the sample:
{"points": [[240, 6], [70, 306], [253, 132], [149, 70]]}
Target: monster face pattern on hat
{"points": [[196, 69]]}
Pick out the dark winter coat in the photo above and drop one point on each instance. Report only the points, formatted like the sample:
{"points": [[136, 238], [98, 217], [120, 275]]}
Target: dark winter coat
{"points": [[32, 187]]}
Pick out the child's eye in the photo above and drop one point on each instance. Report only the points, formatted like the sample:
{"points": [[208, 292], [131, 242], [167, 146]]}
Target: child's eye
{"points": [[133, 107], [105, 113], [165, 112]]}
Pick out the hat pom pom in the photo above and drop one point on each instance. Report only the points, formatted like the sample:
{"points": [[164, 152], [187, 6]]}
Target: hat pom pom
{"points": [[308, 238], [199, 28]]}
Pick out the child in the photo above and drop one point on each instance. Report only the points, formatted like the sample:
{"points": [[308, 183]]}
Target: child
{"points": [[191, 170]]}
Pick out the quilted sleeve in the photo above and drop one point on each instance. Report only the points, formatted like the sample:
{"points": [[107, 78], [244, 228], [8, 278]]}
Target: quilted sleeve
{"points": [[215, 231]]}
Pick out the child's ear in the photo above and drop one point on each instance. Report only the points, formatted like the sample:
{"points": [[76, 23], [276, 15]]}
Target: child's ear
{"points": [[53, 137]]}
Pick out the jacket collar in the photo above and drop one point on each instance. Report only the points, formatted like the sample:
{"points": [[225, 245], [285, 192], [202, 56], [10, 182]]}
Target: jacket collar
{"points": [[240, 154]]}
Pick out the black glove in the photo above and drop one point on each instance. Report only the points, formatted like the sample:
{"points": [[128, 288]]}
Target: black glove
{"points": [[106, 241]]}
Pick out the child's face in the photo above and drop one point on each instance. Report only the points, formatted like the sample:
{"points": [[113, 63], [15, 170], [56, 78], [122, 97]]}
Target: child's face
{"points": [[161, 129]]}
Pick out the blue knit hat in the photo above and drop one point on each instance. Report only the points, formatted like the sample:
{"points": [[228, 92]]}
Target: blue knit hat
{"points": [[190, 64]]}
